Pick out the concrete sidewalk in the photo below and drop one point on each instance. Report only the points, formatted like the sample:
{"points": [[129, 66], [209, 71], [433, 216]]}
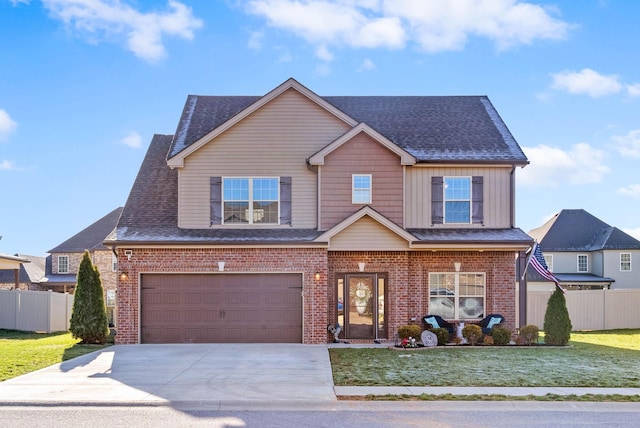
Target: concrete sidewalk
{"points": [[216, 375]]}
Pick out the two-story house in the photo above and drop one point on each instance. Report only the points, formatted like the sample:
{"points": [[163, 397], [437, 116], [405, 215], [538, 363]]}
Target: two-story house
{"points": [[269, 218], [63, 262], [585, 253]]}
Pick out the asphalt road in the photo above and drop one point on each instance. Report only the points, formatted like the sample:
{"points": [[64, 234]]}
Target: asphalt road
{"points": [[353, 414]]}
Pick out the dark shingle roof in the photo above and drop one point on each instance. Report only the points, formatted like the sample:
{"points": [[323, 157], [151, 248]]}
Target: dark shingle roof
{"points": [[431, 128], [472, 236], [577, 230], [90, 238]]}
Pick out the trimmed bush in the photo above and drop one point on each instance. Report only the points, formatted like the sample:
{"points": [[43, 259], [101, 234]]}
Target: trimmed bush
{"points": [[529, 334], [557, 324], [442, 333], [501, 336], [409, 330], [89, 316], [472, 333]]}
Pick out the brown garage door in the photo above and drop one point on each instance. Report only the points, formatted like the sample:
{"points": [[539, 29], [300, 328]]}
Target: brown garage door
{"points": [[221, 308]]}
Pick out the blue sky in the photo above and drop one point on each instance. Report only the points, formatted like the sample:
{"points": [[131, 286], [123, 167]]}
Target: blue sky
{"points": [[84, 85]]}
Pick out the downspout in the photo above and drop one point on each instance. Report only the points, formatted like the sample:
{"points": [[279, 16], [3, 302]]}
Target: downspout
{"points": [[512, 213]]}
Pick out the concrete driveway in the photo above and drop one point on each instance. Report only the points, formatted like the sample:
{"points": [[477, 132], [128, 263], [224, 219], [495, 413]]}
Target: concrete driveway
{"points": [[201, 373]]}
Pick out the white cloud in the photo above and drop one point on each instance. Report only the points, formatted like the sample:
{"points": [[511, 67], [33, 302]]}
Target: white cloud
{"points": [[550, 166], [6, 165], [132, 139], [633, 90], [587, 82], [143, 31], [633, 232], [437, 25], [255, 40], [17, 2], [628, 145], [632, 190], [7, 125], [366, 65], [324, 54]]}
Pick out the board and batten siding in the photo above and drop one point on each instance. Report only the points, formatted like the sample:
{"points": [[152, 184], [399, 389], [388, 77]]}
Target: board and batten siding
{"points": [[496, 194], [360, 155], [366, 234], [273, 141]]}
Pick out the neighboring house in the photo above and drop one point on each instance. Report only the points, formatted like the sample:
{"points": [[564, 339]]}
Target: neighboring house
{"points": [[585, 253], [19, 271], [269, 218], [64, 260]]}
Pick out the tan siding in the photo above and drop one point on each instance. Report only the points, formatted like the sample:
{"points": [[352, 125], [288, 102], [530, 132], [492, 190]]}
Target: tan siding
{"points": [[274, 141], [497, 194], [361, 155], [368, 235]]}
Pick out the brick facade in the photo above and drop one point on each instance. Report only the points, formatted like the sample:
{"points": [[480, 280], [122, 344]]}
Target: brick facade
{"points": [[407, 285]]}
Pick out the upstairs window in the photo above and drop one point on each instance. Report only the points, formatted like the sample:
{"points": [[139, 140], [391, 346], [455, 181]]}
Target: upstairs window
{"points": [[250, 200], [625, 262], [63, 264], [548, 259], [457, 200], [583, 263], [361, 189]]}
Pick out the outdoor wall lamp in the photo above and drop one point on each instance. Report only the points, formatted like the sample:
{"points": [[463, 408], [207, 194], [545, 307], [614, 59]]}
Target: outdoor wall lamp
{"points": [[361, 266], [124, 276], [128, 253], [221, 266], [317, 276]]}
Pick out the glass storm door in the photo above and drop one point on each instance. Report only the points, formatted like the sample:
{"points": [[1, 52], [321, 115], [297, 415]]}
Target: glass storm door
{"points": [[364, 306]]}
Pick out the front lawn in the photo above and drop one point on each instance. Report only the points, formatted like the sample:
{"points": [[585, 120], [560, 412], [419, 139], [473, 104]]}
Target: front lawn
{"points": [[594, 359], [23, 352]]}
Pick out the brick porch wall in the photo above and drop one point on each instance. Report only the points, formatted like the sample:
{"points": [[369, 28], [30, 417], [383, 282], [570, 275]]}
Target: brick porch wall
{"points": [[408, 282], [307, 261]]}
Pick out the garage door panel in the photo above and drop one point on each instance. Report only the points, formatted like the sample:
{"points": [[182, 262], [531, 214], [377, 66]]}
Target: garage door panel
{"points": [[231, 308]]}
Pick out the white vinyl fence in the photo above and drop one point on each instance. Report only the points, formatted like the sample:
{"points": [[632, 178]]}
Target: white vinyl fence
{"points": [[590, 309], [35, 310]]}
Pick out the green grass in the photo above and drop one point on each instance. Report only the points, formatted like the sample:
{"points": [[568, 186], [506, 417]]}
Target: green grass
{"points": [[23, 352], [594, 359]]}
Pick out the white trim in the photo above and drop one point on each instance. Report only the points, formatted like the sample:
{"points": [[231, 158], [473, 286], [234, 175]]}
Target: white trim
{"points": [[353, 189]]}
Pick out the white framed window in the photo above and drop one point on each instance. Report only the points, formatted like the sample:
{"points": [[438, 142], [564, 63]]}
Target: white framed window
{"points": [[63, 264], [457, 295], [583, 263], [457, 199], [548, 259], [114, 263], [251, 200], [625, 262], [111, 298], [361, 185]]}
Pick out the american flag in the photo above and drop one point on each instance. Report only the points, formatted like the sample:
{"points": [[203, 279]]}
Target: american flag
{"points": [[536, 260]]}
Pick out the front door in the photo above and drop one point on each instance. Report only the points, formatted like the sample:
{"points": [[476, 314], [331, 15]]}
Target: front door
{"points": [[362, 300]]}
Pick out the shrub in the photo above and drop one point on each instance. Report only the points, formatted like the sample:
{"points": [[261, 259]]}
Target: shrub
{"points": [[409, 330], [472, 333], [89, 315], [488, 340], [557, 324], [529, 334], [501, 336], [442, 333]]}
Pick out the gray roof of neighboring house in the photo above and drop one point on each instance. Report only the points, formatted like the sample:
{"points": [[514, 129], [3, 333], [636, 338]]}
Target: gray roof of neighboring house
{"points": [[431, 128], [576, 230], [92, 237], [566, 278], [28, 272]]}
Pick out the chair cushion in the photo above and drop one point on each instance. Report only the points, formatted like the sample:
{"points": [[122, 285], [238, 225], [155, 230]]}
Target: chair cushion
{"points": [[433, 321], [493, 321]]}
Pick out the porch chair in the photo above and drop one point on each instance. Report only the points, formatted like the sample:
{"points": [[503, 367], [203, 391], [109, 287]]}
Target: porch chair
{"points": [[436, 321], [489, 322]]}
